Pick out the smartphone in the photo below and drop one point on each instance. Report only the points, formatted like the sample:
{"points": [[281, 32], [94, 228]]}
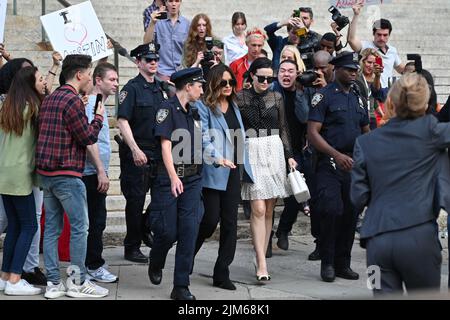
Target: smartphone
{"points": [[97, 101], [379, 61], [163, 15]]}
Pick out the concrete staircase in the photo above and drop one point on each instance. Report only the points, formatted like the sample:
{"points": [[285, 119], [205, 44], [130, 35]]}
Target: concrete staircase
{"points": [[418, 28]]}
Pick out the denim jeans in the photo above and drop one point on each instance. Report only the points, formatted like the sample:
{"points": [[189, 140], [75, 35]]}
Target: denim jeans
{"points": [[64, 193], [21, 214], [32, 260]]}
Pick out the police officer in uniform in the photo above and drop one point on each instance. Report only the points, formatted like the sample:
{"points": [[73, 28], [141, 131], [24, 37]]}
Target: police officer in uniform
{"points": [[337, 117], [138, 102], [176, 208]]}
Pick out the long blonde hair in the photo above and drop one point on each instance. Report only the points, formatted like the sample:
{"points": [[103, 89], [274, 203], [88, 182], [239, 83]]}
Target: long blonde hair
{"points": [[194, 44], [300, 65], [366, 53]]}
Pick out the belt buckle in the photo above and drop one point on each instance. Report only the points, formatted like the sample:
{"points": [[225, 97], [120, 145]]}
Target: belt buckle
{"points": [[180, 171]]}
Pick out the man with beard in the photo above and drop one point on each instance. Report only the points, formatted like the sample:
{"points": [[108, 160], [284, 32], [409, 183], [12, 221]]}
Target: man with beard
{"points": [[337, 117]]}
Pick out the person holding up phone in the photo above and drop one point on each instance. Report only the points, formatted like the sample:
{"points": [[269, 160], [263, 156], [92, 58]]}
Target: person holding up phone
{"points": [[170, 34], [369, 81], [95, 175], [157, 6]]}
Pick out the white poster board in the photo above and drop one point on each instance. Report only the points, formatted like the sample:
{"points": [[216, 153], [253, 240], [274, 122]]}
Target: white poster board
{"points": [[3, 4], [76, 30], [344, 4]]}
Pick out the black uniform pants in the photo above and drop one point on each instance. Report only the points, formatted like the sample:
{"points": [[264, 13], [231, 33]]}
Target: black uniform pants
{"points": [[96, 202], [411, 256], [221, 206], [135, 182], [337, 214]]}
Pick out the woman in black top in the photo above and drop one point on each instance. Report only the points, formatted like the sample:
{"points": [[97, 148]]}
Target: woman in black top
{"points": [[224, 155], [268, 144]]}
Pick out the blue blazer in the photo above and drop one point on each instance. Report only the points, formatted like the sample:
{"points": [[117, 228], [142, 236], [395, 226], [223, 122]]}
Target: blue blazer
{"points": [[218, 144]]}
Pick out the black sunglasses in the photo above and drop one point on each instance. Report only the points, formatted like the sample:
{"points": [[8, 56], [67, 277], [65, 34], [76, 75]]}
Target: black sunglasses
{"points": [[148, 60], [231, 83], [261, 79]]}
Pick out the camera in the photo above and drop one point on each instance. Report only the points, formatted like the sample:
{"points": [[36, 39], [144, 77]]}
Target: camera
{"points": [[208, 55], [341, 21], [417, 61], [307, 78]]}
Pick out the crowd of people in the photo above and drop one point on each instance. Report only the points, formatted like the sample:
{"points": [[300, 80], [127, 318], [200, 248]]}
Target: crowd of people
{"points": [[207, 125]]}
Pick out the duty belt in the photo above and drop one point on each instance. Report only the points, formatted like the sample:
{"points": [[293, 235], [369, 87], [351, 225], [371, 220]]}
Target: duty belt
{"points": [[182, 170]]}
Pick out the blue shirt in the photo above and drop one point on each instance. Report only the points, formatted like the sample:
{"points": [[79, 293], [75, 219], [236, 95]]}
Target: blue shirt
{"points": [[103, 142], [343, 115], [276, 43], [180, 126], [171, 39]]}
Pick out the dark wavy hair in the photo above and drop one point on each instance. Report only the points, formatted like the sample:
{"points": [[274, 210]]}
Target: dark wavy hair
{"points": [[8, 71], [22, 94], [213, 89]]}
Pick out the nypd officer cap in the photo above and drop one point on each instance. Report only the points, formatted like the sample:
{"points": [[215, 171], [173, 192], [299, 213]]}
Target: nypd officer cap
{"points": [[346, 60], [148, 50], [188, 75]]}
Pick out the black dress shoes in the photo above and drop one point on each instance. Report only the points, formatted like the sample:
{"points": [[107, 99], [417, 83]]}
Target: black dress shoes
{"points": [[283, 241], [136, 256], [181, 293], [347, 273], [226, 284], [155, 275], [35, 278], [315, 255], [327, 272]]}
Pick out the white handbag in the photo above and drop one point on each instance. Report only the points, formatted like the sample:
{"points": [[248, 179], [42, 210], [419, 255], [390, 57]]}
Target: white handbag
{"points": [[298, 186]]}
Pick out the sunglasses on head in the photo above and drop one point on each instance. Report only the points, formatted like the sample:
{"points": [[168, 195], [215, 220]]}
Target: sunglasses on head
{"points": [[231, 83], [261, 79]]}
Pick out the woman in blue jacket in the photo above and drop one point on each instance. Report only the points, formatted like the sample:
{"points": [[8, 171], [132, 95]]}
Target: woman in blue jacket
{"points": [[225, 162]]}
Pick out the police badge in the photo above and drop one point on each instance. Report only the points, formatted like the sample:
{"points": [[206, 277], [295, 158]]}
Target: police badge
{"points": [[162, 115], [122, 96], [316, 99]]}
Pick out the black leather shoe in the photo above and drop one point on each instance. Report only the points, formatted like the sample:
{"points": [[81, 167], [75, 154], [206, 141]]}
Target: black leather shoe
{"points": [[283, 241], [181, 293], [155, 275], [347, 273], [315, 255], [327, 273], [226, 284], [36, 277], [136, 256], [147, 238]]}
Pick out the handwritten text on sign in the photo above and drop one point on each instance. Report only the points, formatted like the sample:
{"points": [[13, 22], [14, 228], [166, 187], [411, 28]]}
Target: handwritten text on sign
{"points": [[76, 30]]}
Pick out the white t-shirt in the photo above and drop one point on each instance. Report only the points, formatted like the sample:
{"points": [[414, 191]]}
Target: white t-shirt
{"points": [[233, 49], [390, 60]]}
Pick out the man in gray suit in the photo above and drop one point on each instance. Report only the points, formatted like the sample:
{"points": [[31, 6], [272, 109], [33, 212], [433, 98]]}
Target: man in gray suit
{"points": [[401, 174]]}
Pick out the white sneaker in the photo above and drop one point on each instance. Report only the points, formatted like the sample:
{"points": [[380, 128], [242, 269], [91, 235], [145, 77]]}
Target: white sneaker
{"points": [[21, 288], [101, 275], [53, 291], [2, 284], [86, 290]]}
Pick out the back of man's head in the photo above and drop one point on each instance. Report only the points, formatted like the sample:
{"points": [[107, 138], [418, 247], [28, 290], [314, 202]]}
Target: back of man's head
{"points": [[101, 69], [321, 57], [382, 24], [74, 63]]}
